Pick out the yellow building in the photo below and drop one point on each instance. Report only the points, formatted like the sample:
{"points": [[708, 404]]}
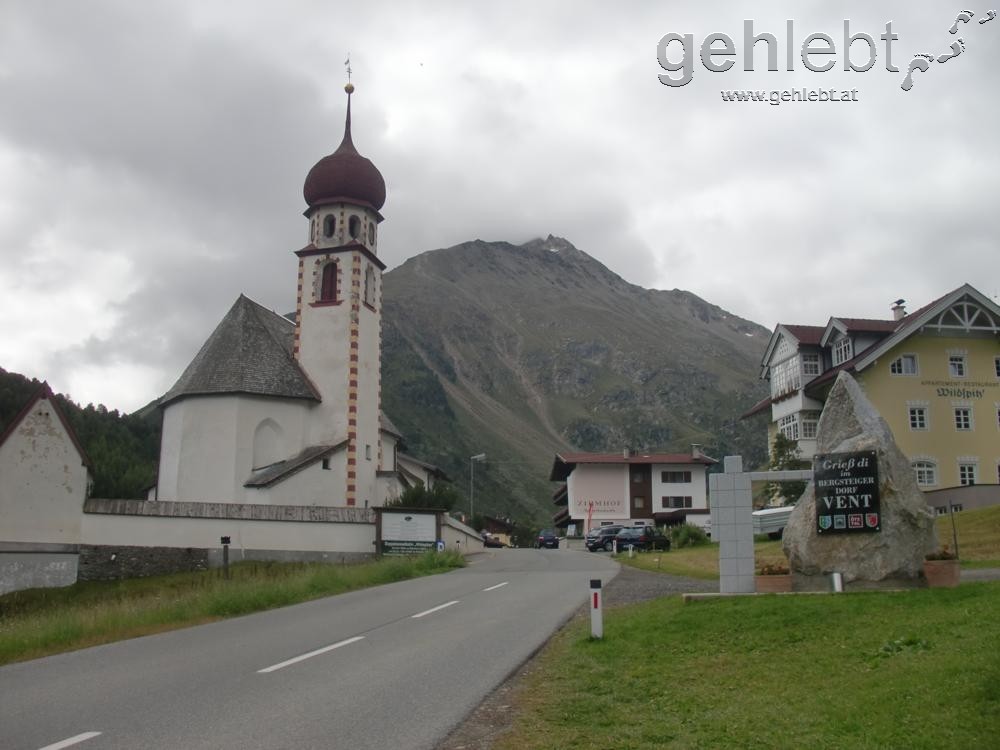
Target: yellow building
{"points": [[934, 375]]}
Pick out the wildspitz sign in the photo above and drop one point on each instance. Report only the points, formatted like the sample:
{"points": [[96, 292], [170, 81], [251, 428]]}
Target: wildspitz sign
{"points": [[846, 486]]}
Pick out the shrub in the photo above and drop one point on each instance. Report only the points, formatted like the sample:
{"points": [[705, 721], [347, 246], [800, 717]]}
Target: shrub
{"points": [[687, 535]]}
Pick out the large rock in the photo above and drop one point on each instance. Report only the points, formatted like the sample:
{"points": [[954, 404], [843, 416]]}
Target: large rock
{"points": [[850, 423]]}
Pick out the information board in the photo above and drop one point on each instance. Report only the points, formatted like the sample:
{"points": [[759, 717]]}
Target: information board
{"points": [[847, 497], [408, 532]]}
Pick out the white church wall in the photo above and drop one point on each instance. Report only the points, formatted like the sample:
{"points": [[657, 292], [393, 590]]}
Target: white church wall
{"points": [[387, 489], [246, 535], [44, 481], [207, 447], [313, 485], [369, 373], [324, 352]]}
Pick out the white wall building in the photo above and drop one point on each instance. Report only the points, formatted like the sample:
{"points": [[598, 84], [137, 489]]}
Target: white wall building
{"points": [[631, 488]]}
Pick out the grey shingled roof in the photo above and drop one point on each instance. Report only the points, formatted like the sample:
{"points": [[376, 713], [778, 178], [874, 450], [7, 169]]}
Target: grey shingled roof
{"points": [[283, 469], [250, 351]]}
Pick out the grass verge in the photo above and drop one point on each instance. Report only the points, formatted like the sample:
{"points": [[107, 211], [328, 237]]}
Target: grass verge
{"points": [[978, 545], [40, 622], [915, 669]]}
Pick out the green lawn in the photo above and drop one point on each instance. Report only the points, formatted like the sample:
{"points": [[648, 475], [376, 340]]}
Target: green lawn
{"points": [[915, 669], [978, 545], [39, 622]]}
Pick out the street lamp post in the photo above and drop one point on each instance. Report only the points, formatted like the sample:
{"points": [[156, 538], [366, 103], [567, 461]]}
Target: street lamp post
{"points": [[472, 483]]}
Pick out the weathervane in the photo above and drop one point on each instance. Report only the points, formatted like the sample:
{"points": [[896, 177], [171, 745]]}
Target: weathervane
{"points": [[349, 88]]}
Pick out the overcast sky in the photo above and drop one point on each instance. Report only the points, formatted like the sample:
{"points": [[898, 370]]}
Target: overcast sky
{"points": [[152, 156]]}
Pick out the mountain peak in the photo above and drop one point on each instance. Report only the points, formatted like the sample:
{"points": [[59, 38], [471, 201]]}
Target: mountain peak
{"points": [[520, 351]]}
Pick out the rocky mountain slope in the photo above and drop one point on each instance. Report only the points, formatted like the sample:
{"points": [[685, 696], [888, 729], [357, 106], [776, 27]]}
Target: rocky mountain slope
{"points": [[522, 351]]}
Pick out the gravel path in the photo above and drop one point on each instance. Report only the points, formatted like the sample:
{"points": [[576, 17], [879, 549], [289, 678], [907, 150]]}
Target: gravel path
{"points": [[495, 714]]}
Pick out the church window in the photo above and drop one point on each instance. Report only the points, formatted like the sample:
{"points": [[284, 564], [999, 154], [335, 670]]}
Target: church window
{"points": [[370, 287], [328, 285], [368, 453], [354, 227], [267, 444], [326, 464], [329, 225], [371, 234]]}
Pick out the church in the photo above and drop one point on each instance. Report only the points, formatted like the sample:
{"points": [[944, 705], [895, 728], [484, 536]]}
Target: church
{"points": [[273, 438], [276, 410]]}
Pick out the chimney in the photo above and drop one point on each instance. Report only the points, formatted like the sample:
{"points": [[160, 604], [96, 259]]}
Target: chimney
{"points": [[626, 452], [898, 309], [696, 450]]}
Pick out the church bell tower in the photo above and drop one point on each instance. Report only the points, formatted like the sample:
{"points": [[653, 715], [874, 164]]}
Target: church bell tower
{"points": [[338, 330]]}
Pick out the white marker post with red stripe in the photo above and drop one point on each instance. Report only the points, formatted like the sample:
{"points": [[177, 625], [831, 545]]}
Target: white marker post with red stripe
{"points": [[596, 609]]}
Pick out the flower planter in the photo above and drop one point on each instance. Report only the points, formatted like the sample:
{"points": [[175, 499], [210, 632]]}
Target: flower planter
{"points": [[941, 573], [773, 584]]}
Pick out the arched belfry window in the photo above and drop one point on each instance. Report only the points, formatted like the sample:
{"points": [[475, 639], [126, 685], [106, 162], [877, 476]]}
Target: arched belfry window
{"points": [[328, 284], [329, 225], [371, 234], [354, 227]]}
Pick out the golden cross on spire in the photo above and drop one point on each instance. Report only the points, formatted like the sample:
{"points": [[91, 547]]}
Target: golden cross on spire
{"points": [[347, 64]]}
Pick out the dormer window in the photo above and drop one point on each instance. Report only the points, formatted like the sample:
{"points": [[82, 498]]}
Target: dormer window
{"points": [[328, 285], [843, 350], [904, 365]]}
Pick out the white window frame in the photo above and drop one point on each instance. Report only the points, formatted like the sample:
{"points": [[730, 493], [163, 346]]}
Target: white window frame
{"points": [[786, 377], [965, 469], [965, 422], [996, 366], [958, 366], [682, 501], [808, 424], [788, 425], [812, 364], [920, 412], [929, 475], [899, 366], [843, 350]]}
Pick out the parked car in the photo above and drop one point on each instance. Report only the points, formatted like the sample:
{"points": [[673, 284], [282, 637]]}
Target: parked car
{"points": [[547, 538], [491, 541], [601, 537], [642, 538]]}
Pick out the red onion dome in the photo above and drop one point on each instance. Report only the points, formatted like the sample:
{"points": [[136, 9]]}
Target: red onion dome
{"points": [[345, 175]]}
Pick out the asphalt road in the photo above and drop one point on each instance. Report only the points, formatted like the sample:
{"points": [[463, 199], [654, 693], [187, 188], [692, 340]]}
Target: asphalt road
{"points": [[394, 666]]}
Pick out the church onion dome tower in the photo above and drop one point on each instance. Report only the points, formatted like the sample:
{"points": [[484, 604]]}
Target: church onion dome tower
{"points": [[345, 192]]}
